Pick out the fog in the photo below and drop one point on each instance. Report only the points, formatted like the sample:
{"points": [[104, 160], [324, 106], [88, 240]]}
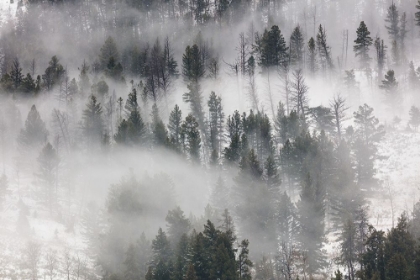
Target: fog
{"points": [[296, 150]]}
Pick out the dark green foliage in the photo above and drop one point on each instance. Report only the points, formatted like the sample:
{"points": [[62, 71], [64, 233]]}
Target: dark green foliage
{"points": [[216, 120], [35, 132], [108, 53], [16, 75], [194, 98], [272, 49], [312, 62], [324, 50], [177, 224], [390, 88], [297, 46], [323, 118], [92, 122], [392, 18], [160, 134], [236, 147], [192, 139], [362, 44], [53, 73], [380, 54], [192, 65], [175, 128]]}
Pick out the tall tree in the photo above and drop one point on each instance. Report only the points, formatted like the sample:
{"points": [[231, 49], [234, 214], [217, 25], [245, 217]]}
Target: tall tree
{"points": [[272, 49], [175, 127], [393, 20], [35, 131], [16, 74], [297, 46], [192, 137], [362, 44], [324, 49], [192, 65], [92, 122], [312, 63], [380, 55]]}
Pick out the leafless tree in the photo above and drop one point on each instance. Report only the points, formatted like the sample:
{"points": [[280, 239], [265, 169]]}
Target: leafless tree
{"points": [[338, 105], [299, 92], [51, 260]]}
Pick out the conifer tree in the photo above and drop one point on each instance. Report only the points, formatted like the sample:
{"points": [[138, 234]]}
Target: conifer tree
{"points": [[194, 98], [108, 50], [192, 65], [390, 88], [362, 44], [16, 74], [216, 120], [417, 14], [324, 49], [272, 48], [162, 257], [393, 20], [92, 122], [48, 164], [297, 47], [380, 55], [35, 131], [160, 134], [174, 127], [177, 225], [53, 74], [312, 63], [192, 137]]}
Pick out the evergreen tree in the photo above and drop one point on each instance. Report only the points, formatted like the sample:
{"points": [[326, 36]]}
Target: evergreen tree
{"points": [[162, 253], [368, 134], [236, 145], [362, 44], [92, 122], [393, 19], [312, 63], [272, 48], [390, 88], [192, 137], [160, 134], [216, 120], [192, 65], [177, 225], [48, 164], [297, 47], [194, 98], [175, 127], [53, 74], [324, 49], [311, 221], [107, 53], [84, 81], [16, 74], [35, 131], [417, 14], [380, 55], [413, 79]]}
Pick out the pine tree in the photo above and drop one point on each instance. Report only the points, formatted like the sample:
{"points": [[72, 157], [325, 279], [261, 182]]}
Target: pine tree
{"points": [[417, 14], [192, 137], [92, 122], [190, 275], [312, 63], [160, 134], [272, 48], [368, 134], [84, 81], [16, 74], [311, 221], [108, 50], [35, 131], [324, 49], [390, 88], [362, 44], [177, 225], [48, 164], [162, 253], [297, 47], [392, 18], [216, 120], [194, 98], [53, 74], [413, 79], [174, 127], [192, 65], [348, 256], [235, 148]]}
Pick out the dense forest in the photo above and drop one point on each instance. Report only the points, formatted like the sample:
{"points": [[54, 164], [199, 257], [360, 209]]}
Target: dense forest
{"points": [[210, 139]]}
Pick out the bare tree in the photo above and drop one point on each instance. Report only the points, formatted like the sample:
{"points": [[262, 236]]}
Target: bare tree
{"points": [[32, 257], [299, 92], [51, 260], [67, 263], [338, 105], [287, 261]]}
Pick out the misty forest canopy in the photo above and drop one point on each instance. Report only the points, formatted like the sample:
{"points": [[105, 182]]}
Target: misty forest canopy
{"points": [[208, 139]]}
